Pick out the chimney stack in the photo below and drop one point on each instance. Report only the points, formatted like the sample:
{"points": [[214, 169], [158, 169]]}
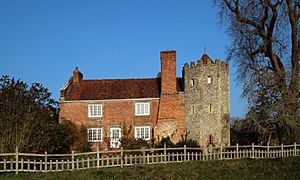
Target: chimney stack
{"points": [[168, 72], [77, 75]]}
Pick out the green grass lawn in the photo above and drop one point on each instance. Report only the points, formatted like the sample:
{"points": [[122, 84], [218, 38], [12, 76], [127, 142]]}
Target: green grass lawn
{"points": [[285, 168]]}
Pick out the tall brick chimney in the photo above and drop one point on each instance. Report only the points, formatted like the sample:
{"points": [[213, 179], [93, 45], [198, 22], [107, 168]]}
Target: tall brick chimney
{"points": [[77, 75], [168, 72]]}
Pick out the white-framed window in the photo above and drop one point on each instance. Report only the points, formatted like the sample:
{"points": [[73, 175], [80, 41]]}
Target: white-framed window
{"points": [[209, 80], [142, 132], [94, 134], [95, 110], [142, 109], [192, 82]]}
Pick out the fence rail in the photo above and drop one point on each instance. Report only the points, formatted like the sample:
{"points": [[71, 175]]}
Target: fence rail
{"points": [[28, 162]]}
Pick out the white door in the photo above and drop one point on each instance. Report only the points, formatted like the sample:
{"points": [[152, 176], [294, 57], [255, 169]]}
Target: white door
{"points": [[115, 136]]}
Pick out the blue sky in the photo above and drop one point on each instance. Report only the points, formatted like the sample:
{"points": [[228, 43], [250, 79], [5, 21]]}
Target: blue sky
{"points": [[44, 40]]}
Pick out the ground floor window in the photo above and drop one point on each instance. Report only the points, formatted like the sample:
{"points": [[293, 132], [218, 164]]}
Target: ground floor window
{"points": [[94, 134], [142, 132]]}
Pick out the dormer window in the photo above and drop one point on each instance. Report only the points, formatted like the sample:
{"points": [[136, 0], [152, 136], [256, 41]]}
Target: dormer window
{"points": [[209, 80]]}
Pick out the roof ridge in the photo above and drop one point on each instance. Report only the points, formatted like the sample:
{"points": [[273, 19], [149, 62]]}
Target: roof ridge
{"points": [[118, 79]]}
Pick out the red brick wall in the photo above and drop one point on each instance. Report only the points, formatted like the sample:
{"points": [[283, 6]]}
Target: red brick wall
{"points": [[171, 119], [115, 114], [168, 72]]}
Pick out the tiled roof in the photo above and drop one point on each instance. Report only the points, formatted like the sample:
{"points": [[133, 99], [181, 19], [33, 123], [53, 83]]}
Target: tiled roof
{"points": [[116, 89]]}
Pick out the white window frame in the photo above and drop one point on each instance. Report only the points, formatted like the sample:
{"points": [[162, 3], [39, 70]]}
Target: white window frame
{"points": [[209, 80], [98, 134], [140, 135], [142, 109], [95, 114]]}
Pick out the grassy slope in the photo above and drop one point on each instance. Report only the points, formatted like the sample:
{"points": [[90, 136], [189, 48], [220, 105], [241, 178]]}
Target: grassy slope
{"points": [[287, 168]]}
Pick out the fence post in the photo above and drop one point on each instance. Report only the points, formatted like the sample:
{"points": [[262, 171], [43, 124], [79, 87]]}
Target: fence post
{"points": [[295, 149], [165, 152], [122, 156], [252, 153], [282, 150], [237, 150], [268, 149], [73, 167], [98, 157], [144, 155], [46, 161], [184, 152], [17, 160], [221, 149]]}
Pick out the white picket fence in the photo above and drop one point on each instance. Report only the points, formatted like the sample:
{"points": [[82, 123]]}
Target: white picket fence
{"points": [[28, 162]]}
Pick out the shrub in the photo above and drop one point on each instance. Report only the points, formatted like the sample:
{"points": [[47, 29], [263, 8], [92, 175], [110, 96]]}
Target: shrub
{"points": [[166, 140], [132, 143], [188, 143], [75, 137]]}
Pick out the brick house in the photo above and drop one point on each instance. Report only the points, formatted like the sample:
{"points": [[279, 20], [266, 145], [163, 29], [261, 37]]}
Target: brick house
{"points": [[150, 107]]}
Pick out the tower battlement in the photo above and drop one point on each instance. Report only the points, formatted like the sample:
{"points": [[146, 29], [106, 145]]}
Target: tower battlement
{"points": [[205, 62]]}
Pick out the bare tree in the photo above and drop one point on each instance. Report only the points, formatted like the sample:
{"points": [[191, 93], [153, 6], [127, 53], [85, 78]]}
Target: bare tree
{"points": [[265, 36]]}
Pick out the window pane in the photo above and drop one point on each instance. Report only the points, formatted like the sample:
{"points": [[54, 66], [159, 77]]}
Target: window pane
{"points": [[146, 108], [138, 133], [90, 135], [98, 134], [147, 133]]}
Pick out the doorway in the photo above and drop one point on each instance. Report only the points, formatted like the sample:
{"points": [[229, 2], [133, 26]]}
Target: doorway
{"points": [[115, 136]]}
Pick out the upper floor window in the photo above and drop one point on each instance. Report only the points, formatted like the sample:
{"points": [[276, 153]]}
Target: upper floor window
{"points": [[142, 132], [192, 82], [142, 109], [95, 110], [94, 134], [209, 80]]}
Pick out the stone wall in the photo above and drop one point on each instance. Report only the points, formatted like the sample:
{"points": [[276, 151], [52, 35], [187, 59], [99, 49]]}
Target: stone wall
{"points": [[207, 105]]}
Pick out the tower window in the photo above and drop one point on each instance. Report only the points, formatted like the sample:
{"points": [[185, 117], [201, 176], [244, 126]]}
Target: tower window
{"points": [[210, 139], [209, 80], [193, 109], [193, 82], [210, 107]]}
